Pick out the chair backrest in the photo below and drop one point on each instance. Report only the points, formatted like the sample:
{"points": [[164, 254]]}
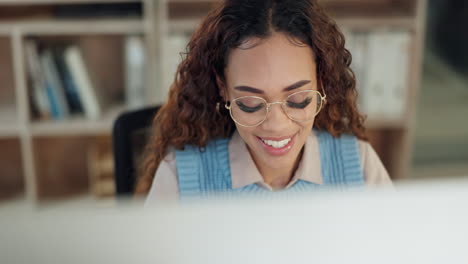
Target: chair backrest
{"points": [[129, 137]]}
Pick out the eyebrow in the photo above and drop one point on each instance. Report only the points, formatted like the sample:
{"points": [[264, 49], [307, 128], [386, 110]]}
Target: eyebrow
{"points": [[291, 87]]}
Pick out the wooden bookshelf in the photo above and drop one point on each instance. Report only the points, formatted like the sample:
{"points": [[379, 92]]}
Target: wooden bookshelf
{"points": [[52, 156], [40, 144]]}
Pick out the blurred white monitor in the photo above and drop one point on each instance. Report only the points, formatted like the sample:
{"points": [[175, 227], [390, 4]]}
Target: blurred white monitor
{"points": [[415, 224]]}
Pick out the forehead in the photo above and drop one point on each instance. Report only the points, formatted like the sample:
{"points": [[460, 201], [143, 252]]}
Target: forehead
{"points": [[270, 64]]}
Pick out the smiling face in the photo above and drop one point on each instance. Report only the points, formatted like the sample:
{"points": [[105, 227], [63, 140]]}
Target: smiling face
{"points": [[272, 69]]}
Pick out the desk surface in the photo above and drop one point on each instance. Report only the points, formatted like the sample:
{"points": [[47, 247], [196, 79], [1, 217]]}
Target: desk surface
{"points": [[416, 224]]}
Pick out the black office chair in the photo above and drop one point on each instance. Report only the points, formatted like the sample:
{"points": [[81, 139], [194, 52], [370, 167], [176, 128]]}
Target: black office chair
{"points": [[129, 137]]}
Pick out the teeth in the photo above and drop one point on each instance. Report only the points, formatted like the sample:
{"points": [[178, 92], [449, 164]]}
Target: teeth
{"points": [[277, 144]]}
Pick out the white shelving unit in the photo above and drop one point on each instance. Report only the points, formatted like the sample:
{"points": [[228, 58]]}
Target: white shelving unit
{"points": [[16, 121]]}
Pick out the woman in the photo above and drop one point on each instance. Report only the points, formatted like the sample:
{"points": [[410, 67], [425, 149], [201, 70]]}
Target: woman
{"points": [[264, 100]]}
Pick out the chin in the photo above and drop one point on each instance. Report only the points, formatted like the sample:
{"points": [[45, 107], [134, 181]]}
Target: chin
{"points": [[281, 162]]}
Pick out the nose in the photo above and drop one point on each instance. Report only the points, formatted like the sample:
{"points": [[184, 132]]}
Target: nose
{"points": [[276, 119]]}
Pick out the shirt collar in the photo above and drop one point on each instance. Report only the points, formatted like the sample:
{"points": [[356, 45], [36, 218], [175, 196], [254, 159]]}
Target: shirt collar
{"points": [[309, 167], [244, 171]]}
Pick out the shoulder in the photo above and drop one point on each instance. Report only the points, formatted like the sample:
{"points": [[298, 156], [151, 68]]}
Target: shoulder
{"points": [[165, 184], [168, 162], [374, 171]]}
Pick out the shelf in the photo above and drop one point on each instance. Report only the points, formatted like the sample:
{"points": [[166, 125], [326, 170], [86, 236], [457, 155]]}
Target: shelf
{"points": [[377, 23], [382, 123], [77, 125], [437, 171], [360, 2], [8, 130], [8, 122], [322, 2], [63, 2], [19, 203], [191, 24], [192, 1], [67, 27], [5, 31], [184, 25], [335, 8]]}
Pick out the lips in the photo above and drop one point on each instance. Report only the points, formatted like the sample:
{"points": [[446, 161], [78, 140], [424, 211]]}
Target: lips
{"points": [[277, 146], [277, 138]]}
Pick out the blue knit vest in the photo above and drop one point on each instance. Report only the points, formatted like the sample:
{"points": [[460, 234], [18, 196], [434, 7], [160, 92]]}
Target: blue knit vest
{"points": [[204, 172]]}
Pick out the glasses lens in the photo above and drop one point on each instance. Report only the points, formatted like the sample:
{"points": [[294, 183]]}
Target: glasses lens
{"points": [[248, 110], [303, 106]]}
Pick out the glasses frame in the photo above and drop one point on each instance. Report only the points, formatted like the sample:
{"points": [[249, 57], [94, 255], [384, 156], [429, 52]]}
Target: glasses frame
{"points": [[323, 98]]}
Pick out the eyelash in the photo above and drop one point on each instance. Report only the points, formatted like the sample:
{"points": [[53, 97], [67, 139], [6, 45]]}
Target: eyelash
{"points": [[248, 109], [301, 105]]}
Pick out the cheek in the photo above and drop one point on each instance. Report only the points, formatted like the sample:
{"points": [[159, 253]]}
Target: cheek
{"points": [[248, 135], [306, 129], [307, 125], [245, 132]]}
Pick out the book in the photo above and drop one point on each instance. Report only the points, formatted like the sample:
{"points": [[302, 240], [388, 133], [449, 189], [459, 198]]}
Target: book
{"points": [[86, 90], [55, 91], [134, 72], [38, 85], [71, 91]]}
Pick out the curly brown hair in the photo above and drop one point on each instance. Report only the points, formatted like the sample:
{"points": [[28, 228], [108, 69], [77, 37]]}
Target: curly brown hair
{"points": [[190, 117]]}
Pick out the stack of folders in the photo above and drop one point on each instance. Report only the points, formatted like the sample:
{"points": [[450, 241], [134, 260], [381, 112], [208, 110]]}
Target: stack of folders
{"points": [[381, 65], [61, 84]]}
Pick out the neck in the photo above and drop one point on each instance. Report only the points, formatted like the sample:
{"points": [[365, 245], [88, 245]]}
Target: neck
{"points": [[278, 178]]}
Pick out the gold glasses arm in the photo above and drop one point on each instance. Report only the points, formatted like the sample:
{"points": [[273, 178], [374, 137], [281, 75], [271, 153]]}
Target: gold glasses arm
{"points": [[324, 97]]}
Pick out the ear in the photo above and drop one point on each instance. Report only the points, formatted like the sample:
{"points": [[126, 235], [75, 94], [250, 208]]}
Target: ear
{"points": [[221, 87]]}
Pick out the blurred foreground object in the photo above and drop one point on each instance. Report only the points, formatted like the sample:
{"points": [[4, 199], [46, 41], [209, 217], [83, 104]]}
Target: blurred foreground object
{"points": [[424, 224]]}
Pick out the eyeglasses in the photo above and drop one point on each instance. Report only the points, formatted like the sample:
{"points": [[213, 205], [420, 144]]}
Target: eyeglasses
{"points": [[251, 111]]}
